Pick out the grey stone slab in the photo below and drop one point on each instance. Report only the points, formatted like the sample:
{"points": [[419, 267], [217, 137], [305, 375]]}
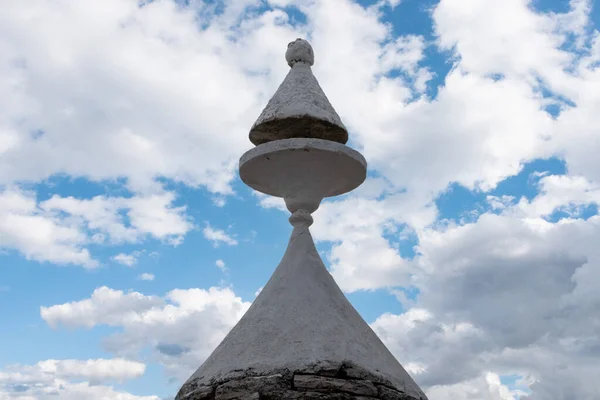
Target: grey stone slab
{"points": [[198, 393], [238, 388], [302, 395], [386, 393], [323, 383]]}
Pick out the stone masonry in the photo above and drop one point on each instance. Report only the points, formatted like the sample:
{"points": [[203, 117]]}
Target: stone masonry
{"points": [[343, 383]]}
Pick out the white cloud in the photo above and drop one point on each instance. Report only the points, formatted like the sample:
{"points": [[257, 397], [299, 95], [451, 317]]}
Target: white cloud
{"points": [[105, 306], [393, 3], [146, 276], [126, 259], [37, 235], [362, 255], [218, 236], [51, 378], [561, 193], [59, 229], [505, 294], [182, 328], [485, 387], [150, 215], [219, 201], [500, 202], [221, 265], [502, 26], [99, 370]]}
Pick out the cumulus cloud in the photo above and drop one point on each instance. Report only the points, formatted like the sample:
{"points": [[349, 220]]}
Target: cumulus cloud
{"points": [[221, 265], [218, 236], [39, 236], [51, 378], [146, 276], [485, 387], [366, 229], [506, 294], [99, 370], [566, 193], [151, 215], [59, 229], [126, 259], [105, 306], [182, 327]]}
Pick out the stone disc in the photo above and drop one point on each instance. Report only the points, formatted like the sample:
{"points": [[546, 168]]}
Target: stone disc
{"points": [[303, 167]]}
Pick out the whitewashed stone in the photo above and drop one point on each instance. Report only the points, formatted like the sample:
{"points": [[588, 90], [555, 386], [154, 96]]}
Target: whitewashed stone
{"points": [[303, 171], [299, 51], [299, 107]]}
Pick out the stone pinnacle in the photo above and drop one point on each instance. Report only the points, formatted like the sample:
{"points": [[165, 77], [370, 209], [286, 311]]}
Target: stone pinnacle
{"points": [[301, 338]]}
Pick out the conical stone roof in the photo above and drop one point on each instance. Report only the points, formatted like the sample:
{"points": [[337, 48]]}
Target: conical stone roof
{"points": [[302, 331]]}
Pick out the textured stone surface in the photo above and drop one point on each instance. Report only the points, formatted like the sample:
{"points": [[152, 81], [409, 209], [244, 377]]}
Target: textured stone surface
{"points": [[198, 393], [327, 384], [299, 107], [386, 393], [297, 395], [328, 169], [238, 388], [299, 51]]}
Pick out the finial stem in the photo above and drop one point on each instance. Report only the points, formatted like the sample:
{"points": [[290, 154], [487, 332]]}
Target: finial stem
{"points": [[300, 218]]}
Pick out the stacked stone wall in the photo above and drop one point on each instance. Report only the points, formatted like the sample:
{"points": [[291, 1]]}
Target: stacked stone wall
{"points": [[340, 384]]}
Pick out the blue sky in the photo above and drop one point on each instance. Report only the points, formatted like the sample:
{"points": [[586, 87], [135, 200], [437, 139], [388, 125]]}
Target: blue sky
{"points": [[471, 246]]}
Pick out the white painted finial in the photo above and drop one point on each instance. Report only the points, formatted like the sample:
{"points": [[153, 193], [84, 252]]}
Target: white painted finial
{"points": [[299, 108], [299, 51]]}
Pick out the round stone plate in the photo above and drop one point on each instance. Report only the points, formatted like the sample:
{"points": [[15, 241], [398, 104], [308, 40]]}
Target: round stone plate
{"points": [[301, 167]]}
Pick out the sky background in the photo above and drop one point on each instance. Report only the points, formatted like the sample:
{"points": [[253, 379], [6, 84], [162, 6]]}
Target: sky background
{"points": [[129, 247]]}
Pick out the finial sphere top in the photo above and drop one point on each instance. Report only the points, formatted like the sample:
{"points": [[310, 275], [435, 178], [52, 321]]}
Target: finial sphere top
{"points": [[299, 51]]}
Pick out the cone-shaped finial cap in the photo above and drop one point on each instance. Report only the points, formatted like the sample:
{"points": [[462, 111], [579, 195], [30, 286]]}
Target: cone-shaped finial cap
{"points": [[299, 108]]}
